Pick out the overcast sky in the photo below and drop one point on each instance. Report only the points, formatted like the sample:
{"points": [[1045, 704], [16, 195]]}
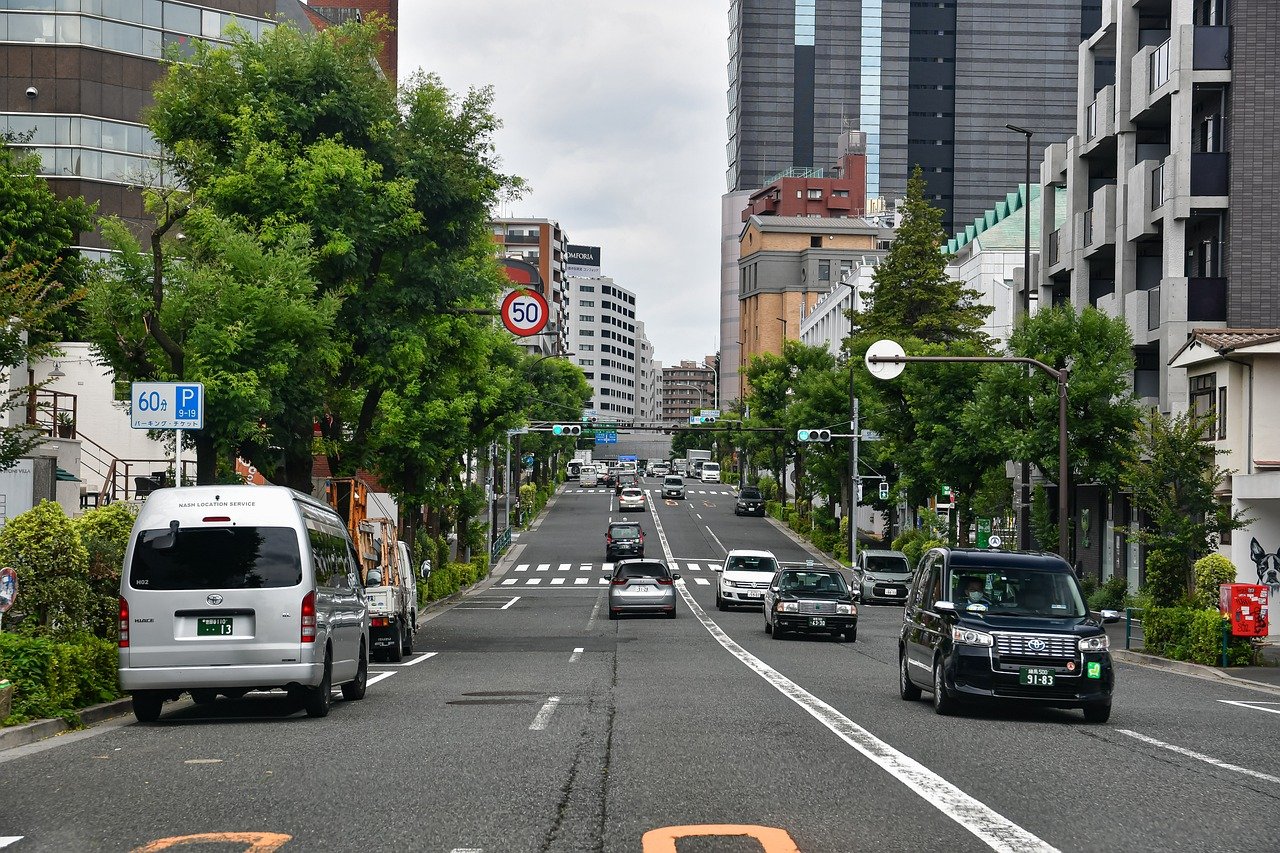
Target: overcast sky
{"points": [[615, 115]]}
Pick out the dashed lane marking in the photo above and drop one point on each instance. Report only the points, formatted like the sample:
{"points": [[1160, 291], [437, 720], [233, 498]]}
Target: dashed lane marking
{"points": [[533, 581], [577, 653], [513, 600], [544, 714], [1200, 756], [511, 581], [580, 581], [255, 842]]}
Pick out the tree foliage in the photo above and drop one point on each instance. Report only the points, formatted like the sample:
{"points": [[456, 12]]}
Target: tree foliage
{"points": [[43, 547]]}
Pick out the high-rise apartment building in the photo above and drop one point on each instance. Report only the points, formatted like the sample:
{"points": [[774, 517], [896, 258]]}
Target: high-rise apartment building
{"points": [[607, 342], [688, 388], [646, 378], [542, 244]]}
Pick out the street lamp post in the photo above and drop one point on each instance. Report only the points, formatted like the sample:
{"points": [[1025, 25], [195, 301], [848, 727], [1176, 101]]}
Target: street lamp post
{"points": [[1024, 490]]}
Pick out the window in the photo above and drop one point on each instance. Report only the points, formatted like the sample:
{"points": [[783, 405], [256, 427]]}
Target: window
{"points": [[815, 242], [1222, 413], [587, 288], [815, 195], [587, 333], [586, 347], [1203, 397], [586, 303], [824, 270], [586, 318]]}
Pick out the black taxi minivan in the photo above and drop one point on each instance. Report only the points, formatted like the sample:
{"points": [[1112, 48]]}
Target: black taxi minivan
{"points": [[1003, 625]]}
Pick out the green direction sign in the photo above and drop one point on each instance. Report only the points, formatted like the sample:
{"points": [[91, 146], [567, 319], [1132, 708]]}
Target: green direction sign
{"points": [[984, 533]]}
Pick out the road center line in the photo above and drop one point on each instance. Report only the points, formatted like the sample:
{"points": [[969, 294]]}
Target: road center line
{"points": [[992, 828], [544, 714], [1200, 756], [577, 653], [509, 603], [718, 542]]}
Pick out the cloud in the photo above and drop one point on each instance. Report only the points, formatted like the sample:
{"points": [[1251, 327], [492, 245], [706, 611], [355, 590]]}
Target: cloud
{"points": [[615, 115]]}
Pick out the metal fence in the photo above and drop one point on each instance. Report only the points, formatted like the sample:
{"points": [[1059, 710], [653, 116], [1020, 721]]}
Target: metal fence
{"points": [[1134, 640]]}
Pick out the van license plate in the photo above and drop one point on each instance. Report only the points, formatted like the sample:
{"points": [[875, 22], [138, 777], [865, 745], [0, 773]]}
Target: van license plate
{"points": [[1035, 676], [214, 627]]}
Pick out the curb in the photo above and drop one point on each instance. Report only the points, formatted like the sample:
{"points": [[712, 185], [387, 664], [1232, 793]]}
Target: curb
{"points": [[1193, 670], [29, 733], [818, 556]]}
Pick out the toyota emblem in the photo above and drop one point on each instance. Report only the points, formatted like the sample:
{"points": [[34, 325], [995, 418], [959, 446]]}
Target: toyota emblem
{"points": [[1037, 645], [214, 599]]}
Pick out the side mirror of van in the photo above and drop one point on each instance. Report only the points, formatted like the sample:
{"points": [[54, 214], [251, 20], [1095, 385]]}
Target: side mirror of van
{"points": [[1110, 616], [944, 607]]}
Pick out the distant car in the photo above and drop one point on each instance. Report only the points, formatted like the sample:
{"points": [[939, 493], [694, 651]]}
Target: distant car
{"points": [[749, 502], [672, 486], [642, 586], [625, 480], [623, 539], [609, 476], [631, 498], [810, 601], [660, 469], [710, 472], [588, 476], [882, 576], [744, 577]]}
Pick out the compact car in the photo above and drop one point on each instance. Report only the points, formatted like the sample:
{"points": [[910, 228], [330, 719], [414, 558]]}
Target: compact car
{"points": [[642, 586]]}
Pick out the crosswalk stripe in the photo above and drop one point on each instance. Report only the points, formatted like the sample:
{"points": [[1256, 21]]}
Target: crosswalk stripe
{"points": [[523, 567], [608, 567], [694, 567], [702, 581], [509, 581], [604, 581], [564, 567], [542, 567], [557, 581], [585, 568], [533, 581], [579, 581]]}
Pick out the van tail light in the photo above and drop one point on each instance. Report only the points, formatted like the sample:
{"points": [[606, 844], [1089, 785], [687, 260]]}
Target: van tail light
{"points": [[665, 581], [619, 581], [124, 623], [309, 617], [608, 539], [378, 622]]}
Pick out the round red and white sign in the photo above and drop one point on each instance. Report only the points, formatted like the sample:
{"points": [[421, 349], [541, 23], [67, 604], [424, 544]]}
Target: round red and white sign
{"points": [[524, 312]]}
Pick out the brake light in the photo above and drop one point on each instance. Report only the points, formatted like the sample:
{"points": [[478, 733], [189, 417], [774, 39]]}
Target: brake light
{"points": [[608, 538], [124, 623], [217, 518], [378, 622], [666, 581], [619, 581], [309, 617]]}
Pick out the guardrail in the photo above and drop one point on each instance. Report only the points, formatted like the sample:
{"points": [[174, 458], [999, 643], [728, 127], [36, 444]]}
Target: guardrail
{"points": [[500, 543], [1133, 630]]}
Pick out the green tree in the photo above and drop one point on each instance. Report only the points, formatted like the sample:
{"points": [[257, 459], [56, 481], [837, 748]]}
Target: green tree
{"points": [[43, 547], [105, 534], [1174, 478]]}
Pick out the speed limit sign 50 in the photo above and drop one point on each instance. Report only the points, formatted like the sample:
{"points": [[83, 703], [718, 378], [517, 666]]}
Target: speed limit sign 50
{"points": [[524, 312]]}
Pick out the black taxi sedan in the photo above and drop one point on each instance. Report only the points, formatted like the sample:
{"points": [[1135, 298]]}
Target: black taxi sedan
{"points": [[810, 601]]}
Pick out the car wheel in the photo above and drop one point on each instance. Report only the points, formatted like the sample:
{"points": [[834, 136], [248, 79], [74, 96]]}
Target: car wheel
{"points": [[778, 632], [613, 614], [943, 702], [851, 635], [147, 705], [395, 652], [907, 688], [317, 699], [353, 691], [204, 697], [672, 614], [720, 605], [768, 629], [407, 646], [1097, 712]]}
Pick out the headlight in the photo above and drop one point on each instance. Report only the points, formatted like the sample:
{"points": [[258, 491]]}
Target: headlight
{"points": [[788, 606], [729, 583], [1099, 643], [846, 610], [969, 637]]}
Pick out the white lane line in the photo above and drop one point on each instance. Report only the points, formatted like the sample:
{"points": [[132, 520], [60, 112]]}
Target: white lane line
{"points": [[544, 714], [992, 828], [585, 567], [375, 677], [6, 840], [523, 567], [718, 542], [557, 581], [1253, 706], [699, 515], [580, 581], [1200, 756], [533, 581], [564, 567], [424, 655], [702, 581], [604, 581], [608, 567], [595, 611], [509, 603], [510, 581], [694, 567], [467, 850], [577, 653], [542, 567]]}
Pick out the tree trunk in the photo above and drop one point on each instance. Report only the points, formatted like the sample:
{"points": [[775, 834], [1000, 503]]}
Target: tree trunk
{"points": [[206, 459]]}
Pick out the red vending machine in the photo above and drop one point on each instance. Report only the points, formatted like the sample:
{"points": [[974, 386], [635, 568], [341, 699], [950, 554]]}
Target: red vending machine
{"points": [[1245, 604]]}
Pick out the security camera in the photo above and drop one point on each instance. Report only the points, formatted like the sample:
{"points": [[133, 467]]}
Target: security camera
{"points": [[32, 92]]}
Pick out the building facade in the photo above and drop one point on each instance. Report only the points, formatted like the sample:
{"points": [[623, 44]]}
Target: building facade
{"points": [[1166, 178], [687, 389], [542, 244], [606, 341], [826, 323], [329, 12]]}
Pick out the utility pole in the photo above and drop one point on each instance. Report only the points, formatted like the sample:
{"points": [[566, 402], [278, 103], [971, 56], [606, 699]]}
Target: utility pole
{"points": [[854, 480]]}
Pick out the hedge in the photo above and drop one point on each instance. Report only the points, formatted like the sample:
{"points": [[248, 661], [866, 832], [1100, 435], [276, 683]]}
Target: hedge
{"points": [[448, 579], [55, 679], [1192, 634]]}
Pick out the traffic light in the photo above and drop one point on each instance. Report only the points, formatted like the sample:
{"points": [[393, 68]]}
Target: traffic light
{"points": [[708, 419], [884, 490], [813, 435], [566, 429]]}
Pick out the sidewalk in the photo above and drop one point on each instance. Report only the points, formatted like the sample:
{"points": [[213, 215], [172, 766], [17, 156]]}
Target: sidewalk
{"points": [[1256, 677]]}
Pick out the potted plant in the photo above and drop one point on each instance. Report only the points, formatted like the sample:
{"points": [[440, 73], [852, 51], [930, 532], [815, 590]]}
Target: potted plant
{"points": [[66, 426]]}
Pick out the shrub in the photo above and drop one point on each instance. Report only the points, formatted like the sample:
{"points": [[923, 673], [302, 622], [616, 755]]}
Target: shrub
{"points": [[105, 533], [768, 487], [1112, 595], [773, 508], [730, 477], [1211, 572], [1192, 634], [914, 543], [44, 548], [54, 679]]}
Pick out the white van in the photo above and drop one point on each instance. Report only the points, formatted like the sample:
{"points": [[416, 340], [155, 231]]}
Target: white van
{"points": [[710, 472], [227, 589], [588, 476]]}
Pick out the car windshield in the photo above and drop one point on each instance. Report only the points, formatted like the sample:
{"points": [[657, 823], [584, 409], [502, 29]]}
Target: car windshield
{"points": [[625, 532], [1017, 592], [673, 481], [743, 563], [641, 570], [888, 565], [806, 583], [216, 558], [750, 493]]}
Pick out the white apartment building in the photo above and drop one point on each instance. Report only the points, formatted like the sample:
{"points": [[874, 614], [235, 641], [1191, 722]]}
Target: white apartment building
{"points": [[646, 378], [606, 342], [827, 323]]}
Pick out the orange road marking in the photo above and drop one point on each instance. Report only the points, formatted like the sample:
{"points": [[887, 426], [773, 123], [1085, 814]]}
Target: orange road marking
{"points": [[258, 842], [663, 839]]}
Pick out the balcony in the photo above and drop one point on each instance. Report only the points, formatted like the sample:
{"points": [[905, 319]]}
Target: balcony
{"points": [[524, 239], [1158, 67], [1100, 220], [1100, 122], [1207, 300], [1154, 74], [1210, 173], [1211, 50], [1153, 309]]}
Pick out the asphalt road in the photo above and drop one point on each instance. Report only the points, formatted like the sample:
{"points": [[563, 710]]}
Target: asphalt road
{"points": [[528, 721]]}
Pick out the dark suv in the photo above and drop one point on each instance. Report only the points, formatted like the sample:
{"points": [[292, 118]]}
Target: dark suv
{"points": [[750, 502], [623, 539], [992, 625]]}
